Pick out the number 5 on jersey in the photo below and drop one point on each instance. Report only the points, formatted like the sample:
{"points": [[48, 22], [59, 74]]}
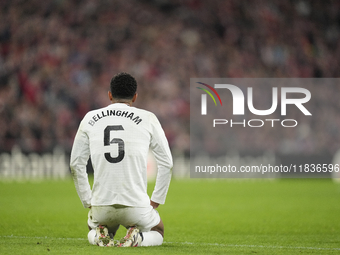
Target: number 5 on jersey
{"points": [[107, 142]]}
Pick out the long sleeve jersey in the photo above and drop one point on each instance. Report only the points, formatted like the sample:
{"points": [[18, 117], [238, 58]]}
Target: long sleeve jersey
{"points": [[118, 138]]}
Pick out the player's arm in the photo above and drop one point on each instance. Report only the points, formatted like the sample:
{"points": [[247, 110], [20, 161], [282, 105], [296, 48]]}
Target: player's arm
{"points": [[160, 147], [79, 156]]}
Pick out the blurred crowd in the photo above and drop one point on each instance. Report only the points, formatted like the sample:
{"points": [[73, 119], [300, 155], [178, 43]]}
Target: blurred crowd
{"points": [[57, 58]]}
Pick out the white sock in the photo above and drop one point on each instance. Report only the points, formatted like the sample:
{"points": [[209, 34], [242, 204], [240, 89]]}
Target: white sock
{"points": [[152, 238], [91, 235]]}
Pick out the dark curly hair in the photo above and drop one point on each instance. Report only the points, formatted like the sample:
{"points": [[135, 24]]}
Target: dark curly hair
{"points": [[123, 86]]}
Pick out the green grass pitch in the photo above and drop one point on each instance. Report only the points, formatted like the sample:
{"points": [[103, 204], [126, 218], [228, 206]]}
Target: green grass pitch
{"points": [[288, 216]]}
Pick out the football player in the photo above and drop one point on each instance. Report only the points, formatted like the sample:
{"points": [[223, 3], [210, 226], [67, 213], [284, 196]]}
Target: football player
{"points": [[118, 138]]}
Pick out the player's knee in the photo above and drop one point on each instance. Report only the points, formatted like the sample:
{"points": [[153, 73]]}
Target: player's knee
{"points": [[91, 237]]}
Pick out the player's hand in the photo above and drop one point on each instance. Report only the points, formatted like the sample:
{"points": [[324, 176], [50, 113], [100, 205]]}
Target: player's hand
{"points": [[154, 204]]}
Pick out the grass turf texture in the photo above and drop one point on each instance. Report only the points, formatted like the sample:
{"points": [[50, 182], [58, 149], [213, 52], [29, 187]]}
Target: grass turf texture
{"points": [[200, 217]]}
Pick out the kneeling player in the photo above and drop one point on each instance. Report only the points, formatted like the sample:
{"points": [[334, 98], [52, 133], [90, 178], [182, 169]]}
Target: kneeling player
{"points": [[118, 138]]}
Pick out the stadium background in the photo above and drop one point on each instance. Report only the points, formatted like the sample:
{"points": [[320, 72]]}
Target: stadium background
{"points": [[57, 58]]}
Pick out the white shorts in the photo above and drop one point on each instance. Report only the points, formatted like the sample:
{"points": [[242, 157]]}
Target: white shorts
{"points": [[113, 216]]}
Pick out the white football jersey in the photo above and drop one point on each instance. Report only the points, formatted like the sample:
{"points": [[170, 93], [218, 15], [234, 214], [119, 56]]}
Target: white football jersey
{"points": [[118, 138]]}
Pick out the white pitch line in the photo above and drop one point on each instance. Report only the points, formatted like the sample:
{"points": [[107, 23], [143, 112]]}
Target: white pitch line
{"points": [[256, 246], [43, 237], [189, 243]]}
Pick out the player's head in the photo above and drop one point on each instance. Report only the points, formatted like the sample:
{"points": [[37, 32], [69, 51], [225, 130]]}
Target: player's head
{"points": [[123, 86]]}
